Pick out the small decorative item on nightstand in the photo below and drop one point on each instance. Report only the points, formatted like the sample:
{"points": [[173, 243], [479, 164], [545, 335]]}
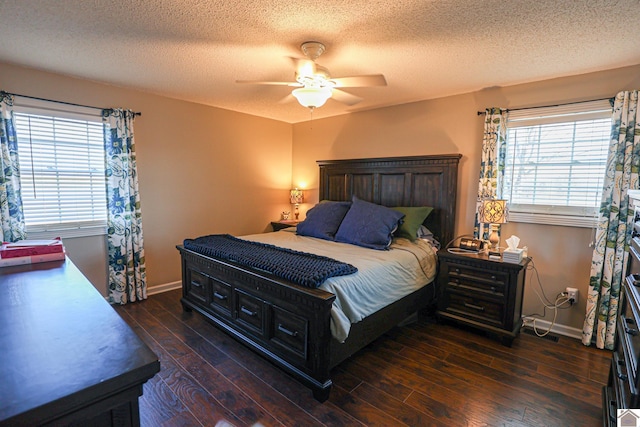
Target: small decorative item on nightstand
{"points": [[285, 215]]}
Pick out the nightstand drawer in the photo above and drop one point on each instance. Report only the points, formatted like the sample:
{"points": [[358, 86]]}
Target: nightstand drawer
{"points": [[474, 286], [479, 309], [461, 277]]}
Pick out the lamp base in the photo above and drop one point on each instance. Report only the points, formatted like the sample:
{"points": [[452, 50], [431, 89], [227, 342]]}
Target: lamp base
{"points": [[494, 241]]}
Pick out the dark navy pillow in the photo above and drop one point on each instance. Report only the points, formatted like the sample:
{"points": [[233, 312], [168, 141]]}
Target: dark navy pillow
{"points": [[369, 225], [323, 220]]}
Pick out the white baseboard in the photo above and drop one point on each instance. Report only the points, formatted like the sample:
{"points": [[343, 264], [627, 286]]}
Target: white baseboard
{"points": [[543, 325], [158, 289]]}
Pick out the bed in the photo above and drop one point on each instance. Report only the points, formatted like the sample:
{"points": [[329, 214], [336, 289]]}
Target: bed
{"points": [[291, 325]]}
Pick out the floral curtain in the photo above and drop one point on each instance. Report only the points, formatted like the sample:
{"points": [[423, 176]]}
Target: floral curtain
{"points": [[127, 273], [494, 147], [11, 213], [615, 220]]}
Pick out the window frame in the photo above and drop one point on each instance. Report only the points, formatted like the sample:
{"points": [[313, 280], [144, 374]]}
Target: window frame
{"points": [[568, 113], [25, 105]]}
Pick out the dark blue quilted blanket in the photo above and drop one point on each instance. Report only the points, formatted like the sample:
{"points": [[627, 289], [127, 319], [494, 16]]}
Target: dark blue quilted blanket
{"points": [[298, 267]]}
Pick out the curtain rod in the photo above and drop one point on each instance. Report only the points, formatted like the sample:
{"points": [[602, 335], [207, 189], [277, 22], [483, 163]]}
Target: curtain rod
{"points": [[554, 105], [63, 102]]}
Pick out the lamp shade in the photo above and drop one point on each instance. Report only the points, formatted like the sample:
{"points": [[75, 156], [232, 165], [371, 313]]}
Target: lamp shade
{"points": [[493, 211], [296, 196], [312, 97]]}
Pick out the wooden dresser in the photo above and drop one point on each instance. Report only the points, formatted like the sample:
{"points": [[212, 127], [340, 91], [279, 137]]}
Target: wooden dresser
{"points": [[66, 356], [480, 292], [623, 388], [621, 391]]}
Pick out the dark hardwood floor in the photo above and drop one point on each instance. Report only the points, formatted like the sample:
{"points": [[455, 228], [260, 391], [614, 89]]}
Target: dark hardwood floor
{"points": [[419, 375]]}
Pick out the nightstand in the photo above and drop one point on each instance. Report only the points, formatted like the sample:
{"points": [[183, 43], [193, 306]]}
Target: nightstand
{"points": [[279, 225], [483, 293]]}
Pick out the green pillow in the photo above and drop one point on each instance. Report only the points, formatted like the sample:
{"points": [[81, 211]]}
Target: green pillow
{"points": [[413, 219]]}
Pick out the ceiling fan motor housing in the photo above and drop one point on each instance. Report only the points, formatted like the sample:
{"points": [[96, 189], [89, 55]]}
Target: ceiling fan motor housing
{"points": [[312, 50], [318, 77]]}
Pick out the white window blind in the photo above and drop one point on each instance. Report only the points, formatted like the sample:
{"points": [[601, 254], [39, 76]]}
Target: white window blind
{"points": [[555, 163], [62, 171]]}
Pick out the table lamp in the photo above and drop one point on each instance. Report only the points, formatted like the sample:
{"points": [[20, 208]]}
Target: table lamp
{"points": [[493, 212], [296, 198]]}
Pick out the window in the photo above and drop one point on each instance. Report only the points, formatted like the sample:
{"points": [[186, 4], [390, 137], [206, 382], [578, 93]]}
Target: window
{"points": [[62, 176], [555, 163]]}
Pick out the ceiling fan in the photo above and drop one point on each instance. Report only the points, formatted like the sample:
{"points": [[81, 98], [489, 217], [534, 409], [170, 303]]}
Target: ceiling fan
{"points": [[315, 84]]}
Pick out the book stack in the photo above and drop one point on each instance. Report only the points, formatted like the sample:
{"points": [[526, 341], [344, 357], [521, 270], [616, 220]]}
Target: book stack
{"points": [[31, 252], [513, 256]]}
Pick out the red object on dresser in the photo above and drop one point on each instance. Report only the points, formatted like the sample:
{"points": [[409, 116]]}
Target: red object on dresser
{"points": [[30, 248]]}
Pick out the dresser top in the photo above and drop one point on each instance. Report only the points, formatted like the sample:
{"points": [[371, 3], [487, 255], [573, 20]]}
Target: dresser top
{"points": [[61, 343]]}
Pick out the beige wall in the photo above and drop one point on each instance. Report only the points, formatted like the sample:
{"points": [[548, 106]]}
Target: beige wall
{"points": [[561, 255], [201, 169], [206, 170]]}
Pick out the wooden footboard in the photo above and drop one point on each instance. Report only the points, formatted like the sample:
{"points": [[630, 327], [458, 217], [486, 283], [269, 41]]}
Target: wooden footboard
{"points": [[286, 323]]}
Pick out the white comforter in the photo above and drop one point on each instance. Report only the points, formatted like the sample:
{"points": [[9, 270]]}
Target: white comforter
{"points": [[382, 278]]}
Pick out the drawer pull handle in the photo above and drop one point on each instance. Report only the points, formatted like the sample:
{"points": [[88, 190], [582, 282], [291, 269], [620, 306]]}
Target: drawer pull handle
{"points": [[493, 277], [219, 296], [196, 284], [631, 331], [287, 331], [493, 289], [248, 312], [619, 374], [475, 307]]}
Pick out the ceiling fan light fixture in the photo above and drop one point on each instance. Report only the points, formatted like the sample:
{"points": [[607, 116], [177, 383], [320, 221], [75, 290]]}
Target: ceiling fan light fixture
{"points": [[312, 97]]}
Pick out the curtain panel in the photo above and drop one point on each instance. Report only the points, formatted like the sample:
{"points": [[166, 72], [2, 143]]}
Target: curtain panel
{"points": [[494, 148], [127, 272], [11, 211], [615, 223]]}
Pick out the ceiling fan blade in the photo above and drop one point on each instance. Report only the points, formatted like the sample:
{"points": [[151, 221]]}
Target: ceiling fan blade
{"points": [[304, 67], [286, 99], [345, 97], [259, 82], [360, 81]]}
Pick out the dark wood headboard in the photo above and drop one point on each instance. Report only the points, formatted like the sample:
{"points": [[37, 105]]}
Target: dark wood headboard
{"points": [[398, 181]]}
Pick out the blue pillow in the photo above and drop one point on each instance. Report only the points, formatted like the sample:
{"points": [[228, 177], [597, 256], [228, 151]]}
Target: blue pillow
{"points": [[323, 220], [369, 225]]}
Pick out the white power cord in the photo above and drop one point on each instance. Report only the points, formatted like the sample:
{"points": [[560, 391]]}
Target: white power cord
{"points": [[561, 299]]}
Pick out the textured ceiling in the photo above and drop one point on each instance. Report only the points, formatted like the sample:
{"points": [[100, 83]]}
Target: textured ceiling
{"points": [[196, 49]]}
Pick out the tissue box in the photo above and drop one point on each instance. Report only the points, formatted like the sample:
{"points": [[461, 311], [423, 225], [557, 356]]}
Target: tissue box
{"points": [[513, 256]]}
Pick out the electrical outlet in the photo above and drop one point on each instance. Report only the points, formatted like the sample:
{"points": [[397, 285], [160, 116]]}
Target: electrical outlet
{"points": [[572, 295]]}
